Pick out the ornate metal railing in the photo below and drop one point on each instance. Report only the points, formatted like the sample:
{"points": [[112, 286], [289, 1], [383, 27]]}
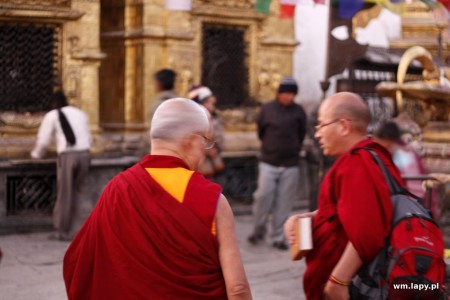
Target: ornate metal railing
{"points": [[30, 194], [239, 178]]}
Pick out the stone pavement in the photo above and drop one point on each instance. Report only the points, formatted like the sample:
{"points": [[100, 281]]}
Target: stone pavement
{"points": [[32, 267]]}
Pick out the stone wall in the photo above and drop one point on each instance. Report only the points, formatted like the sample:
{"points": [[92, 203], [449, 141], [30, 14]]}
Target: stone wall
{"points": [[34, 213]]}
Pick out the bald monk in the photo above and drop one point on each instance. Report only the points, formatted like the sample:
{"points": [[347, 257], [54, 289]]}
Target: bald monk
{"points": [[160, 229], [355, 212]]}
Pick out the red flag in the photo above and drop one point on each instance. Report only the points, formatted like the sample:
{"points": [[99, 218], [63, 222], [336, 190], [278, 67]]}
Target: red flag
{"points": [[446, 3], [287, 8], [319, 1]]}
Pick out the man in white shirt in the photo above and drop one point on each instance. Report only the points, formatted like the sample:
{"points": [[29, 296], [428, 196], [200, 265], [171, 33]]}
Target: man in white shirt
{"points": [[69, 127]]}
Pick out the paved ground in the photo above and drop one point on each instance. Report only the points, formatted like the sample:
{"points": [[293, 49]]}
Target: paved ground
{"points": [[32, 268]]}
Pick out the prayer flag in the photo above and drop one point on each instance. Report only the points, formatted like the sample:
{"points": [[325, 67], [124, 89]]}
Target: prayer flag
{"points": [[430, 3], [348, 8], [185, 5], [287, 8], [446, 3], [263, 6]]}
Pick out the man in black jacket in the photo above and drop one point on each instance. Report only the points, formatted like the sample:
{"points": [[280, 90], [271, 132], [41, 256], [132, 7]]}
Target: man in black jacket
{"points": [[281, 128]]}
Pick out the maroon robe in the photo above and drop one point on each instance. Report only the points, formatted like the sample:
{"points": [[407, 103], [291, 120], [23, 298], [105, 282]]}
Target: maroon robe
{"points": [[141, 243], [354, 205]]}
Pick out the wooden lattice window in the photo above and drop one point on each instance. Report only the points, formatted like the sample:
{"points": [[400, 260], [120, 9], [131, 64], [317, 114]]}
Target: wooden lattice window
{"points": [[29, 66], [224, 68]]}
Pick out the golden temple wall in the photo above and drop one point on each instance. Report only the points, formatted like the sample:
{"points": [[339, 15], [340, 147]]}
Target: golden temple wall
{"points": [[149, 38], [80, 58], [110, 50]]}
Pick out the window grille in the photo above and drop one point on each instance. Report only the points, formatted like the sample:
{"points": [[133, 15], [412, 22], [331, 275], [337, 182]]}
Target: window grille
{"points": [[28, 66], [30, 194], [239, 178], [224, 68]]}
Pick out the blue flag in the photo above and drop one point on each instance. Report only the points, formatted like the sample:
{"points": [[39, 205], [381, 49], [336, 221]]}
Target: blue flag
{"points": [[348, 8]]}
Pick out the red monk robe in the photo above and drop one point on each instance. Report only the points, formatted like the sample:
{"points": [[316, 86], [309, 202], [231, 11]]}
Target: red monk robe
{"points": [[354, 204], [151, 236]]}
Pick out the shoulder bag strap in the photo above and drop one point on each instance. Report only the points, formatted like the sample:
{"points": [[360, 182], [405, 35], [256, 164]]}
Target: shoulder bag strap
{"points": [[67, 129]]}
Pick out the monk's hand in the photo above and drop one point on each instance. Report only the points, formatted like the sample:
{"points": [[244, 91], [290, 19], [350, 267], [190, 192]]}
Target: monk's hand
{"points": [[333, 291], [289, 230], [212, 152]]}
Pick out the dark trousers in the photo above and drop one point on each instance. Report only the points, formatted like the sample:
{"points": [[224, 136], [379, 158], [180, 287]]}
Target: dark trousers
{"points": [[72, 169]]}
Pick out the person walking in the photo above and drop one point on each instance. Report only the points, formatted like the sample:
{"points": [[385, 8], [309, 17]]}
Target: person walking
{"points": [[69, 127], [164, 81], [160, 229], [282, 127], [355, 211], [213, 163]]}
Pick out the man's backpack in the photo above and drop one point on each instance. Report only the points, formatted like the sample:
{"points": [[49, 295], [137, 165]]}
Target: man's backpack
{"points": [[411, 264]]}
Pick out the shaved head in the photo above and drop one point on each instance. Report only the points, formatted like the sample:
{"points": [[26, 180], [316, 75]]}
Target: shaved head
{"points": [[342, 123], [349, 106], [177, 118]]}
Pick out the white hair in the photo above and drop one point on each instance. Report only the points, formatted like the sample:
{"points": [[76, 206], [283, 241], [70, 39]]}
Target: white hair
{"points": [[177, 118]]}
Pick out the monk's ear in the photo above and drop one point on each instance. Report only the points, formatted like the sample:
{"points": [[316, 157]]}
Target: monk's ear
{"points": [[187, 143], [346, 126]]}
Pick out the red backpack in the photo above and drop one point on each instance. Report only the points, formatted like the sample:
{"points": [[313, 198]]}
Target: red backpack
{"points": [[411, 264]]}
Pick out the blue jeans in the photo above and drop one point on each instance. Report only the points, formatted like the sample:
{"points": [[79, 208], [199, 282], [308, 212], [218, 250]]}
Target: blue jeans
{"points": [[277, 189]]}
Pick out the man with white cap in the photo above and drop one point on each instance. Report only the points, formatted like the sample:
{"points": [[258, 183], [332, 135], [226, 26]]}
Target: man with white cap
{"points": [[213, 163], [281, 129]]}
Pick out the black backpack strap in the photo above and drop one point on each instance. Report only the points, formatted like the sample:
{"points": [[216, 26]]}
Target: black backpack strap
{"points": [[394, 187], [67, 129], [398, 189]]}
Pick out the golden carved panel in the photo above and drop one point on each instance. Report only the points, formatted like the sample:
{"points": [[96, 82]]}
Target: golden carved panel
{"points": [[228, 3], [73, 82], [183, 28], [53, 3], [183, 59], [276, 31], [26, 120], [272, 66]]}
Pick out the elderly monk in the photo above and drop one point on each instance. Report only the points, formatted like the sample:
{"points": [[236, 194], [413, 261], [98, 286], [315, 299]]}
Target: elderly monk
{"points": [[160, 229], [355, 210]]}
